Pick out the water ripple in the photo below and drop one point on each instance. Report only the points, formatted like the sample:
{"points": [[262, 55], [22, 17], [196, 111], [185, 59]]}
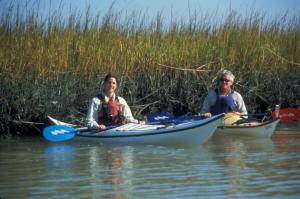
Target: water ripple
{"points": [[223, 167]]}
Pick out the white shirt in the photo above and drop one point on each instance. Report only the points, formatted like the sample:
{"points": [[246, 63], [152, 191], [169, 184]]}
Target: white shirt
{"points": [[93, 112], [211, 98]]}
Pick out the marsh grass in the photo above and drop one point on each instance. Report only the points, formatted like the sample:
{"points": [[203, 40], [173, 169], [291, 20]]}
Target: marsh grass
{"points": [[55, 67]]}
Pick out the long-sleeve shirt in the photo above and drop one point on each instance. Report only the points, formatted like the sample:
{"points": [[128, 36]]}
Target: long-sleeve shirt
{"points": [[92, 120], [210, 100]]}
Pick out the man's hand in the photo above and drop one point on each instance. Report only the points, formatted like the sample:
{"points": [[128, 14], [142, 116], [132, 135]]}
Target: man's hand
{"points": [[206, 115]]}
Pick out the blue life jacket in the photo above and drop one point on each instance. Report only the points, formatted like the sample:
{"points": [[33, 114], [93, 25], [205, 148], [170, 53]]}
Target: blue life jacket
{"points": [[224, 104]]}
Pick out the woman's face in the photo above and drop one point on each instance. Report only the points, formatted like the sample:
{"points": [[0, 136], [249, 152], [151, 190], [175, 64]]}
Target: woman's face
{"points": [[111, 85], [225, 83]]}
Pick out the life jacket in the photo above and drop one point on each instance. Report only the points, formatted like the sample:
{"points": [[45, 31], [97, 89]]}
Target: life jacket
{"points": [[111, 113], [224, 104]]}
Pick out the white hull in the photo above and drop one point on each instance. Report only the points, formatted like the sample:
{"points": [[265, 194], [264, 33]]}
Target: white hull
{"points": [[265, 129], [195, 132]]}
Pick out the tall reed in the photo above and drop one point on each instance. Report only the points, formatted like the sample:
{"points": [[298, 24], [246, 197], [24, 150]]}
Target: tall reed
{"points": [[55, 67]]}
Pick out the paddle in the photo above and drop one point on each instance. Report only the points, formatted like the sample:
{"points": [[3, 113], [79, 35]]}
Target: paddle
{"points": [[285, 114], [288, 114], [167, 118], [56, 133], [160, 118]]}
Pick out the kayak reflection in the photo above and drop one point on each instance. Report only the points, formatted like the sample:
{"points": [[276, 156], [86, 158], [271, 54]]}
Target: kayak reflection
{"points": [[238, 168]]}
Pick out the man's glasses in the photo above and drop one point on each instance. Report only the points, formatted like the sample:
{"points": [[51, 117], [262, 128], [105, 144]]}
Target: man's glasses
{"points": [[224, 80]]}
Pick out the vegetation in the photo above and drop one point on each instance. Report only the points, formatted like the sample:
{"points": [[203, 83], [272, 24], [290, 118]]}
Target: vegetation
{"points": [[54, 67]]}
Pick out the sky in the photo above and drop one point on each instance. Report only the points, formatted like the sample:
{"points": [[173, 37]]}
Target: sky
{"points": [[174, 9]]}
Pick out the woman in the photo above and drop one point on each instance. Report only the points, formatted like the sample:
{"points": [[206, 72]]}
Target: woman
{"points": [[223, 99], [109, 109]]}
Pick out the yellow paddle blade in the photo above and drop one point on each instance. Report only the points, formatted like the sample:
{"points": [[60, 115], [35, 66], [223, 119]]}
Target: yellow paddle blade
{"points": [[230, 118]]}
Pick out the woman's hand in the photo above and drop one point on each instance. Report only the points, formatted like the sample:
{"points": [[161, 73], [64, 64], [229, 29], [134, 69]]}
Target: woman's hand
{"points": [[141, 122], [101, 127]]}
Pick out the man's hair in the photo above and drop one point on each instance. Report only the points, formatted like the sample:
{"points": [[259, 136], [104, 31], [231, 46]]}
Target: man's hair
{"points": [[227, 72]]}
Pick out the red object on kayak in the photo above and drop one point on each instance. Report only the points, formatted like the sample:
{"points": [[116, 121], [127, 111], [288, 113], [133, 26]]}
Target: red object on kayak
{"points": [[288, 114]]}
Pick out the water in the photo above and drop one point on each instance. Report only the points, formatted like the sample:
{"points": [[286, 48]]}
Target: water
{"points": [[224, 167]]}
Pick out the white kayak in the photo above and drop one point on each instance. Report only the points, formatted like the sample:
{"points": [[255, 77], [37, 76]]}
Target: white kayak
{"points": [[255, 129], [193, 132]]}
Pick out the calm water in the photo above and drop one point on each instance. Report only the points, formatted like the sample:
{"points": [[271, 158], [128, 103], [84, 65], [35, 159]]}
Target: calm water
{"points": [[224, 167]]}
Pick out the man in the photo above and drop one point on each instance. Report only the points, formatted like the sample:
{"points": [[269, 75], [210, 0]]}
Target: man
{"points": [[223, 99]]}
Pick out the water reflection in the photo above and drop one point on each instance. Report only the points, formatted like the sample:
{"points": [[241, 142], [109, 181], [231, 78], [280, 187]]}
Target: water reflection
{"points": [[59, 156], [237, 156], [286, 143], [112, 166], [224, 167]]}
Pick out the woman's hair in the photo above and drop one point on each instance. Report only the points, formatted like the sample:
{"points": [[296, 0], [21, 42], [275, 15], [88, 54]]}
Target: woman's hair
{"points": [[102, 89], [108, 76], [227, 72]]}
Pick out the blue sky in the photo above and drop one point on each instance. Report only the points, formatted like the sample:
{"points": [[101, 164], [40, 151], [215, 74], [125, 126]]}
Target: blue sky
{"points": [[175, 8]]}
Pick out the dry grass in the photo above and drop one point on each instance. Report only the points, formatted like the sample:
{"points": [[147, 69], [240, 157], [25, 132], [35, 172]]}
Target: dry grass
{"points": [[54, 68]]}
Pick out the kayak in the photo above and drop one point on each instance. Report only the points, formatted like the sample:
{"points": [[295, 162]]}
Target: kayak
{"points": [[232, 123], [287, 114], [255, 129], [192, 132]]}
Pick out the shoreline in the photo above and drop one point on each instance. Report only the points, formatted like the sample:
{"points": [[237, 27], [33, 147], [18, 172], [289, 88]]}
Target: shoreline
{"points": [[55, 68]]}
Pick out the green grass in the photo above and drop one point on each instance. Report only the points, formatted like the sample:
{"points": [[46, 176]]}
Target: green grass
{"points": [[54, 68]]}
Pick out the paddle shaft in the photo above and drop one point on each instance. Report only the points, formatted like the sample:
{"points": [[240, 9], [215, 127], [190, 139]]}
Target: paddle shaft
{"points": [[255, 114], [82, 129]]}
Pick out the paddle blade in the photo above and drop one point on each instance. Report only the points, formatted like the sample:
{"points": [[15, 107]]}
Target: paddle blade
{"points": [[56, 133], [288, 114], [168, 118], [187, 118], [160, 118]]}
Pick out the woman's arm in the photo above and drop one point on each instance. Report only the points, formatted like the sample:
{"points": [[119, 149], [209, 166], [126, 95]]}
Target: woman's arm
{"points": [[92, 115]]}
